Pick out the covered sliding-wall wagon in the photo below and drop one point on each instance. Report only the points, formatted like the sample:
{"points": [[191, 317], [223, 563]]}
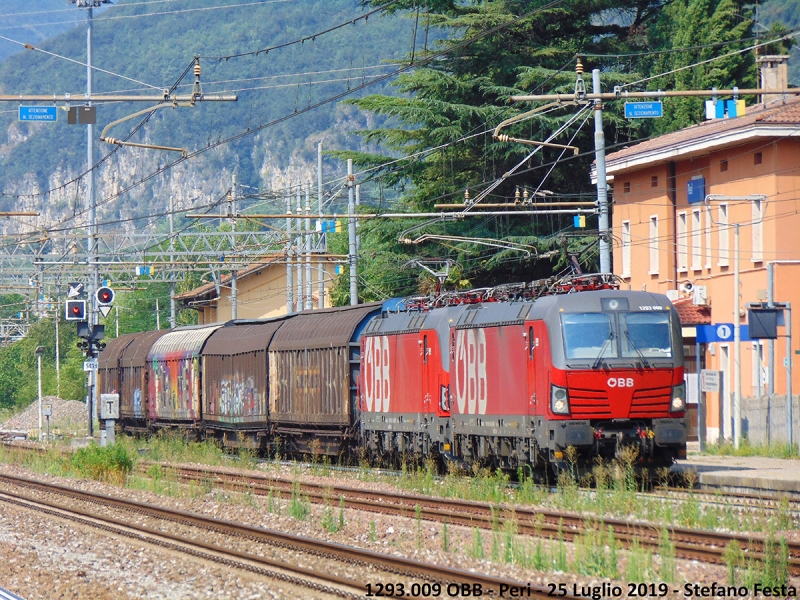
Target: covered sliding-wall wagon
{"points": [[108, 366], [173, 371], [313, 369], [133, 380], [235, 383]]}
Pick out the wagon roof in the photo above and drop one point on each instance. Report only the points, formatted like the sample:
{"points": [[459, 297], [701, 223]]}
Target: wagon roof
{"points": [[135, 353], [188, 341], [109, 358], [241, 337], [322, 328]]}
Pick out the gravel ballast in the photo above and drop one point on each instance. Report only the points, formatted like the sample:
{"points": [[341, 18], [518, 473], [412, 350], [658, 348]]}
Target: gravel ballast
{"points": [[75, 558]]}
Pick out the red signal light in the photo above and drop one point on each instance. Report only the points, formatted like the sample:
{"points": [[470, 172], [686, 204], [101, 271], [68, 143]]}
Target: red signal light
{"points": [[104, 295], [76, 310]]}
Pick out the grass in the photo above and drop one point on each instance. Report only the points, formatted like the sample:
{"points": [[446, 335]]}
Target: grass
{"points": [[596, 553], [772, 450]]}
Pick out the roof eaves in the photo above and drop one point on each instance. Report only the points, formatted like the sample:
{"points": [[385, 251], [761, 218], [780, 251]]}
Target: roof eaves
{"points": [[698, 146]]}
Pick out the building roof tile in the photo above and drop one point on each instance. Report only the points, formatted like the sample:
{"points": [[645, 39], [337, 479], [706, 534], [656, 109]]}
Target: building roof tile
{"points": [[692, 314]]}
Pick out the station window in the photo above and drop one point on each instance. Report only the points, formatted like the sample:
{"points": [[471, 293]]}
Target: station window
{"points": [[683, 251], [653, 245], [626, 248], [723, 165], [722, 219], [626, 187], [654, 181], [758, 158]]}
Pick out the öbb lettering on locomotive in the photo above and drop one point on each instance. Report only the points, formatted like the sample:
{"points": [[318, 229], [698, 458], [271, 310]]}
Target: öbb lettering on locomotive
{"points": [[505, 383]]}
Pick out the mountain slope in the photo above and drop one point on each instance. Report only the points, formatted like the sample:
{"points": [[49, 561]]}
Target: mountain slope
{"points": [[155, 50]]}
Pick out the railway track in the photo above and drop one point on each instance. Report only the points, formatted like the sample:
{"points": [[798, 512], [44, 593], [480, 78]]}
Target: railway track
{"points": [[366, 569], [702, 545], [743, 500]]}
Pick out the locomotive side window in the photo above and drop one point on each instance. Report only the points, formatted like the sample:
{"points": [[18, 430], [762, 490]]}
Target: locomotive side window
{"points": [[586, 334], [531, 343], [646, 334]]}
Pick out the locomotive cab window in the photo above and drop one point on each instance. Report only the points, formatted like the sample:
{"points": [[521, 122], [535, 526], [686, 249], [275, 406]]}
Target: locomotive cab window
{"points": [[646, 334], [588, 335]]}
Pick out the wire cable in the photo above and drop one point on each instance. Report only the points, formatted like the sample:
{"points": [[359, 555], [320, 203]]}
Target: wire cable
{"points": [[77, 62]]}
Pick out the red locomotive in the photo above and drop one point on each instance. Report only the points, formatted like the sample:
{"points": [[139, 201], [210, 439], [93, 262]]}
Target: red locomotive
{"points": [[514, 384]]}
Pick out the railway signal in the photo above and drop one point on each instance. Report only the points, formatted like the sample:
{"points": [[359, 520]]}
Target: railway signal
{"points": [[104, 296], [75, 310]]}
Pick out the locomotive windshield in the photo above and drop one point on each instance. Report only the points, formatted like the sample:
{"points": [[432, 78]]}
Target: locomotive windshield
{"points": [[601, 336], [587, 334], [645, 334]]}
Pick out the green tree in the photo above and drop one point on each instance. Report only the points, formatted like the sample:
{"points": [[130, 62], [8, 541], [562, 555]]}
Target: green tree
{"points": [[699, 24], [439, 118], [19, 369]]}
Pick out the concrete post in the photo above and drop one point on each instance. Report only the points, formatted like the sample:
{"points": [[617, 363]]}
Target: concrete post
{"points": [[602, 185], [351, 234]]}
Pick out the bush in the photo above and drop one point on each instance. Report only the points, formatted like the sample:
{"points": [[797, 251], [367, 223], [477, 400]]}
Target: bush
{"points": [[110, 463]]}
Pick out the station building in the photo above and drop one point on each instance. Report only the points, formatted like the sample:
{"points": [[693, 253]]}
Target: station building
{"points": [[671, 238], [261, 291]]}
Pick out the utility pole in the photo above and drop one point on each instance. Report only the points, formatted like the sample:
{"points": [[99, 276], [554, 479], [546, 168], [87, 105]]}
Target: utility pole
{"points": [[289, 278], [58, 352], [602, 185], [321, 274], [351, 234], [789, 407], [737, 317], [93, 282], [298, 244], [771, 343], [172, 307], [737, 344], [234, 282], [309, 304]]}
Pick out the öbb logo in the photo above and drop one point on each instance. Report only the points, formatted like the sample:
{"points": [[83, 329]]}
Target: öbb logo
{"points": [[619, 382], [377, 388], [470, 371]]}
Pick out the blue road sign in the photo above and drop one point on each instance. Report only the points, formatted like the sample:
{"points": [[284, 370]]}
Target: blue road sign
{"points": [[38, 113], [643, 110], [720, 332]]}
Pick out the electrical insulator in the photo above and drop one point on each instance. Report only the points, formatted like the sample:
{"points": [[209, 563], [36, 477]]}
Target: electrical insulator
{"points": [[579, 67]]}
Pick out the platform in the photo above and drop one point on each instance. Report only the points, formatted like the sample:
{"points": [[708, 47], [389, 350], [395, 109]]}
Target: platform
{"points": [[744, 474]]}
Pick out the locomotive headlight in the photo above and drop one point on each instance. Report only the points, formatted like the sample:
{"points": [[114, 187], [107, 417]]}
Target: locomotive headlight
{"points": [[678, 402], [559, 400]]}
